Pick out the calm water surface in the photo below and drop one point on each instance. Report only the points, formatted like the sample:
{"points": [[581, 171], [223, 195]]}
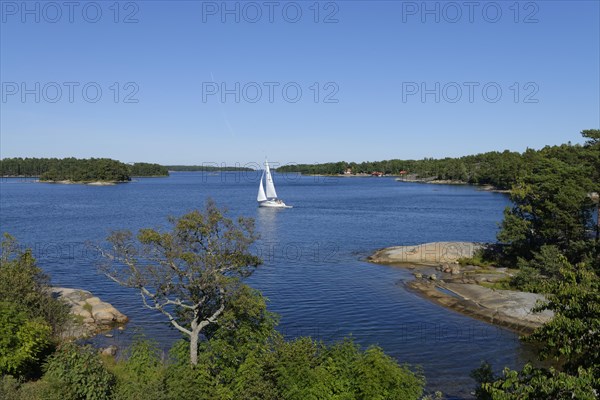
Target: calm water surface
{"points": [[314, 274]]}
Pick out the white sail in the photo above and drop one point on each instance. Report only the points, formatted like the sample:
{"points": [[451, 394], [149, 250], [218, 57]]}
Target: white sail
{"points": [[261, 191], [271, 193]]}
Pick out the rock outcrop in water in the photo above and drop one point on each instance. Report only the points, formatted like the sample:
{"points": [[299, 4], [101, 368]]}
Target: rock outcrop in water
{"points": [[440, 279], [426, 253], [91, 315]]}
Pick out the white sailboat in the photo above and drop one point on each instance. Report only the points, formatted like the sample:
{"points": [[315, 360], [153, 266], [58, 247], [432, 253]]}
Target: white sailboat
{"points": [[268, 198]]}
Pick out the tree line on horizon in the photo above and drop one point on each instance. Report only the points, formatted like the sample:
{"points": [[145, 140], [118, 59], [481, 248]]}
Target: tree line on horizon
{"points": [[205, 168], [78, 170], [498, 169]]}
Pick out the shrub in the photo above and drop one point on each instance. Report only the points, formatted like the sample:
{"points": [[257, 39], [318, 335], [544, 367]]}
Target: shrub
{"points": [[22, 279], [78, 373], [141, 376], [24, 342], [542, 271]]}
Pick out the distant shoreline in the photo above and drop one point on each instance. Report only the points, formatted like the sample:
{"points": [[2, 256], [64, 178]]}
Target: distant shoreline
{"points": [[90, 183], [400, 178], [212, 169]]}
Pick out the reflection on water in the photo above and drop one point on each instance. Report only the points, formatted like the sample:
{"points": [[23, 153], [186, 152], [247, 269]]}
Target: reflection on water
{"points": [[266, 222], [313, 274]]}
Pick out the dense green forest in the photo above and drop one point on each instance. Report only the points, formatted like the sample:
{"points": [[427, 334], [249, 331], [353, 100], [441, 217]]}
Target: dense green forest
{"points": [[78, 170], [205, 168], [148, 169], [498, 169]]}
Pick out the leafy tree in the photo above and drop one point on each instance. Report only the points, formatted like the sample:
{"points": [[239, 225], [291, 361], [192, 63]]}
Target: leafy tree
{"points": [[571, 338], [189, 274], [306, 369], [540, 384], [593, 136], [542, 272], [573, 335], [142, 374], [551, 207], [23, 281], [79, 374], [244, 327], [23, 342]]}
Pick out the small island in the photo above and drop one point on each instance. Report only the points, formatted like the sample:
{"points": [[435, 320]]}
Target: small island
{"points": [[92, 171]]}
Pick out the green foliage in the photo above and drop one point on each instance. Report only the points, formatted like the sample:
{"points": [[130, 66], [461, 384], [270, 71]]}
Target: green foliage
{"points": [[90, 170], [551, 207], [244, 358], [21, 279], [305, 369], [244, 327], [15, 389], [194, 269], [380, 377], [78, 170], [539, 384], [147, 169], [483, 376], [552, 204], [571, 338], [190, 382], [23, 341], [480, 258], [501, 284], [141, 376], [542, 272], [79, 373], [494, 168], [573, 335], [9, 388], [72, 169]]}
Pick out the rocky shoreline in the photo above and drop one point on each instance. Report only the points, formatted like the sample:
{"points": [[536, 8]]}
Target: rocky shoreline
{"points": [[440, 278], [93, 183], [434, 253], [91, 315]]}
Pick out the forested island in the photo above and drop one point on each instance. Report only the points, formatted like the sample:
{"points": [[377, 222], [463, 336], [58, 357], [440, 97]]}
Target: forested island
{"points": [[73, 170], [498, 169]]}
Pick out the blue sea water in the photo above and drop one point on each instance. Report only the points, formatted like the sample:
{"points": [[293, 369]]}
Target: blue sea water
{"points": [[314, 273]]}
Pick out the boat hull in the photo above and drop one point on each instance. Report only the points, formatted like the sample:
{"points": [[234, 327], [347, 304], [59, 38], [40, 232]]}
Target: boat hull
{"points": [[273, 204]]}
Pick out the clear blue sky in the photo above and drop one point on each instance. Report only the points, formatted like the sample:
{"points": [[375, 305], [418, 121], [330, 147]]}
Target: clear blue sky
{"points": [[376, 56]]}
